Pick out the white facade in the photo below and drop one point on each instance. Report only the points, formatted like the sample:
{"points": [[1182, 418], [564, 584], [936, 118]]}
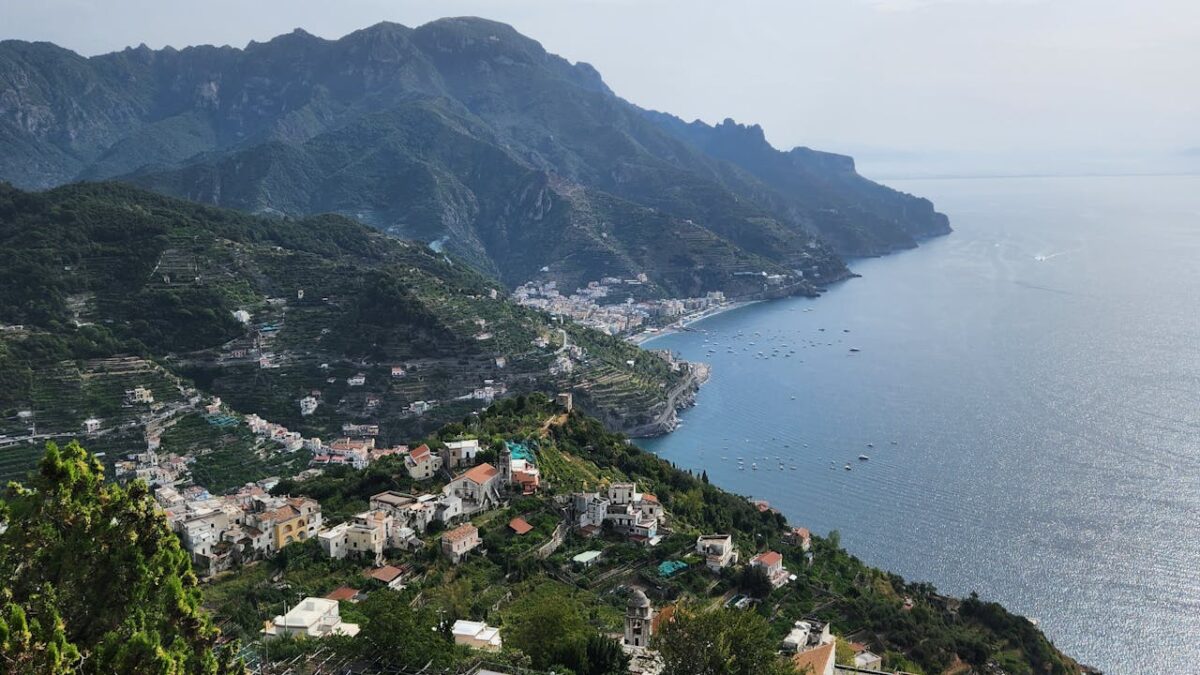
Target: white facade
{"points": [[313, 617], [461, 452], [477, 635], [718, 551]]}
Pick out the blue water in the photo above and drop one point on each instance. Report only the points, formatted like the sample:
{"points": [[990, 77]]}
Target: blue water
{"points": [[1031, 386]]}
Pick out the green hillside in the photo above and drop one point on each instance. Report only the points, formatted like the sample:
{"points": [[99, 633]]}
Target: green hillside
{"points": [[97, 273]]}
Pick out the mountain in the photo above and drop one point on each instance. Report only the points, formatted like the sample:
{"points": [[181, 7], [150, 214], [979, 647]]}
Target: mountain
{"points": [[856, 216], [462, 133], [106, 287]]}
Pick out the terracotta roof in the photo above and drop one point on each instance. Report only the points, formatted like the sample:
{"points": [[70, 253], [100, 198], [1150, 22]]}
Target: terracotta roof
{"points": [[461, 532], [387, 574], [420, 454], [769, 559], [481, 474], [342, 593], [520, 525], [649, 497], [815, 660]]}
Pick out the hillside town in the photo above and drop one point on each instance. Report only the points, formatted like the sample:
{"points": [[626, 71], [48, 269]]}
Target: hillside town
{"points": [[457, 493]]}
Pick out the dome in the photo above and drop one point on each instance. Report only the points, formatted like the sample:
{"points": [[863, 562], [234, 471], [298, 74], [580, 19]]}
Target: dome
{"points": [[638, 599]]}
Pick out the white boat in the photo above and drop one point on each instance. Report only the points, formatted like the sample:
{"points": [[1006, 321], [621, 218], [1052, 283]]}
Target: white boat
{"points": [[863, 458], [754, 467], [847, 467]]}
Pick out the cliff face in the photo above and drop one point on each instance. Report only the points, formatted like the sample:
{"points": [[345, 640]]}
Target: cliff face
{"points": [[461, 132], [820, 190]]}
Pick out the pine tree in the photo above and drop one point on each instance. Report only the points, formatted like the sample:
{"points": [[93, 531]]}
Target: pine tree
{"points": [[94, 579]]}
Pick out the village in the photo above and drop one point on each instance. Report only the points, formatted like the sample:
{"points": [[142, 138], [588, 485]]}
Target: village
{"points": [[455, 498], [596, 305]]}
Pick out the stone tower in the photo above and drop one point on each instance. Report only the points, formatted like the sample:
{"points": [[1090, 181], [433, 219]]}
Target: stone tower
{"points": [[639, 620]]}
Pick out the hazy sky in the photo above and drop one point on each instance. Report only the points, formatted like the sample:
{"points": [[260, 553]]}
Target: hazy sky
{"points": [[969, 85]]}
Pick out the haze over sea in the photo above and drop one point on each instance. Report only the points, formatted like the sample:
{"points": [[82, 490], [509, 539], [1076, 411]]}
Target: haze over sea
{"points": [[1038, 372]]}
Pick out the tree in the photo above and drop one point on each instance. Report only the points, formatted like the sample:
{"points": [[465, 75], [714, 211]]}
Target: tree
{"points": [[604, 656], [755, 582], [718, 642], [95, 580], [548, 626], [400, 635]]}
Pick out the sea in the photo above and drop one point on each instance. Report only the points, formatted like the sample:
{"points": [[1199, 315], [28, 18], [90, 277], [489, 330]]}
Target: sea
{"points": [[1027, 393]]}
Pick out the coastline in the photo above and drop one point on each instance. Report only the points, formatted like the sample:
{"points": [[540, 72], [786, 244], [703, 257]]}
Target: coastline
{"points": [[681, 324]]}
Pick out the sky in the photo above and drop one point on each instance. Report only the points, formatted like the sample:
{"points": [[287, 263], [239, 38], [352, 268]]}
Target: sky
{"points": [[910, 87]]}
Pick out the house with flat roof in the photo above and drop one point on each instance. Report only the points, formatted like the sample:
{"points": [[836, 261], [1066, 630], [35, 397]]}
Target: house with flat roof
{"points": [[586, 559], [313, 617], [460, 453], [476, 635], [718, 551]]}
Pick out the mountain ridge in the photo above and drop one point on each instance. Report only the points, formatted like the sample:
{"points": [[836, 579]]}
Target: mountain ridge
{"points": [[266, 118]]}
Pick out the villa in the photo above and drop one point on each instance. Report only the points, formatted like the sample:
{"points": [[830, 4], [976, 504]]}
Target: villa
{"points": [[313, 617]]}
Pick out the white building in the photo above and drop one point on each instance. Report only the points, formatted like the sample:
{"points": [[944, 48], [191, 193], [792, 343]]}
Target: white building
{"points": [[91, 425], [589, 510], [771, 562], [476, 635], [462, 452], [366, 535], [357, 380], [718, 551], [313, 617]]}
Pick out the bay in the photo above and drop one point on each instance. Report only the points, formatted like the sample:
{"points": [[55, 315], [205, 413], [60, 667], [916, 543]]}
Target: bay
{"points": [[1028, 392]]}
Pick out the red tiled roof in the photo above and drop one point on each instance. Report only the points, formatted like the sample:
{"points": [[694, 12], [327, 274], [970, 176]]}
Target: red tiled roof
{"points": [[815, 660], [387, 574], [520, 525], [649, 497], [768, 559], [420, 454], [461, 532], [481, 474], [341, 593]]}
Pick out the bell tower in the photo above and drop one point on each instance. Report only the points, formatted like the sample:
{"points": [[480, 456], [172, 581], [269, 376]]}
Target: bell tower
{"points": [[639, 620]]}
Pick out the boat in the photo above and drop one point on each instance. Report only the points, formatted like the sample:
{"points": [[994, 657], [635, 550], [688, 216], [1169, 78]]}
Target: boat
{"points": [[870, 445], [854, 349], [863, 458], [847, 467], [754, 466]]}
